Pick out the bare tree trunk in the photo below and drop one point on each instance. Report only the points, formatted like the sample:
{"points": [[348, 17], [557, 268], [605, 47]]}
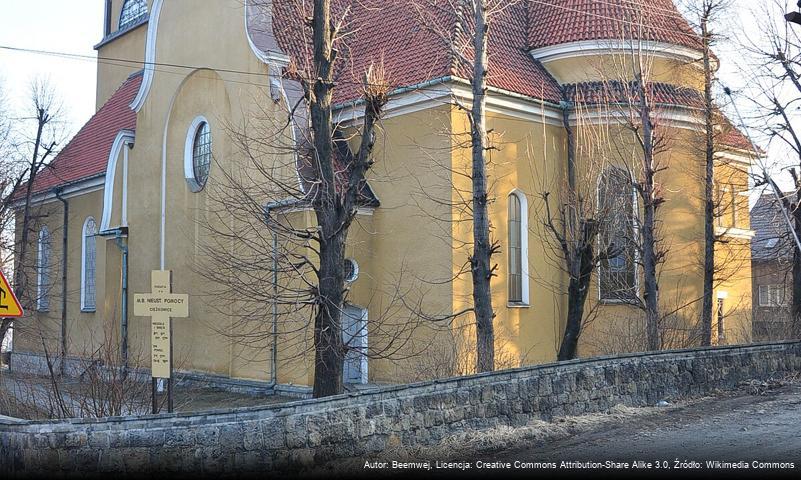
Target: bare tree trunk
{"points": [[578, 289], [329, 352], [480, 260], [579, 256], [709, 200], [796, 306], [650, 204], [21, 274]]}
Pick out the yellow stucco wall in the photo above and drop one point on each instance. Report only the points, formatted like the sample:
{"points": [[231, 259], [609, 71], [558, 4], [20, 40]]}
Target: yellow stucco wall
{"points": [[85, 330], [618, 65]]}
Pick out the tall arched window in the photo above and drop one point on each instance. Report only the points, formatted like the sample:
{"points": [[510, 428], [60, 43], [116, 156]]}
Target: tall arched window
{"points": [[43, 270], [617, 212], [88, 265], [518, 249], [132, 12]]}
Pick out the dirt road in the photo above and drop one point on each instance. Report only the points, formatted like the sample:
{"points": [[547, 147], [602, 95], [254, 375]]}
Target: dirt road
{"points": [[740, 427]]}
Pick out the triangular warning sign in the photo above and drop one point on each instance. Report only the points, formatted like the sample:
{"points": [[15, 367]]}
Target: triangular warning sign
{"points": [[9, 305]]}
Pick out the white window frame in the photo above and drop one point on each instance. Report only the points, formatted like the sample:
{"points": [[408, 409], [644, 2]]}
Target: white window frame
{"points": [[772, 291], [85, 305], [764, 290], [189, 153], [44, 245], [525, 300], [133, 20], [635, 217]]}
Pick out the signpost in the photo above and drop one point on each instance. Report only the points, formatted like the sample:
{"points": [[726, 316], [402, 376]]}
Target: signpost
{"points": [[161, 305], [9, 305]]}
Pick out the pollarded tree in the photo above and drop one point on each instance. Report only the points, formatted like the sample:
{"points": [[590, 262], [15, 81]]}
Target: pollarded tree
{"points": [[279, 221]]}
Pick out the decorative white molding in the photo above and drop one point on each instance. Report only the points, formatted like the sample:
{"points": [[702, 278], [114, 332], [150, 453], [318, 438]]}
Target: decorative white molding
{"points": [[425, 98], [733, 232], [675, 116], [124, 138], [189, 161], [635, 215], [585, 48], [150, 57], [273, 59], [506, 103], [81, 187], [43, 261], [736, 156], [525, 297], [84, 306]]}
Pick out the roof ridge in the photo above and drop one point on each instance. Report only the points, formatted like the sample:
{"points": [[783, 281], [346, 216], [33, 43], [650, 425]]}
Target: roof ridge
{"points": [[85, 155], [86, 124]]}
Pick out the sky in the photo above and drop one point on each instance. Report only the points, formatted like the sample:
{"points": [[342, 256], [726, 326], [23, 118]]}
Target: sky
{"points": [[75, 26], [71, 26]]}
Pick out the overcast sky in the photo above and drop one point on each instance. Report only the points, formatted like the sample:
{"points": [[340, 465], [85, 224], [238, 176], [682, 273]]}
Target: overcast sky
{"points": [[74, 26]]}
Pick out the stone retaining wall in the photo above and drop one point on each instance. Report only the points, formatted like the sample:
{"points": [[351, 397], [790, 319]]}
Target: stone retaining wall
{"points": [[309, 431]]}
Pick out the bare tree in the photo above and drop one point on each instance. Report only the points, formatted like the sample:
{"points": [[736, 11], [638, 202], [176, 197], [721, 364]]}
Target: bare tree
{"points": [[706, 14], [575, 227], [334, 210], [29, 155], [708, 10], [465, 33], [294, 161], [631, 94], [775, 93]]}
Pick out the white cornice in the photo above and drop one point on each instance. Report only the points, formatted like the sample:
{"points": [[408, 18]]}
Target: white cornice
{"points": [[276, 60], [732, 232], [598, 47], [452, 90], [80, 187], [150, 57], [124, 138], [447, 93], [735, 156]]}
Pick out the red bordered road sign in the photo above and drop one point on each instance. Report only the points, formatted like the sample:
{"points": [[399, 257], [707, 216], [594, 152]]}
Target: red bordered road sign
{"points": [[9, 305]]}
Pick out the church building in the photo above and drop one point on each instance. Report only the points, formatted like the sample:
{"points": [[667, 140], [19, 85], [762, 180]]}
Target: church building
{"points": [[185, 92]]}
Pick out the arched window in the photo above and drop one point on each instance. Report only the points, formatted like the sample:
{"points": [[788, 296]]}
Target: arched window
{"points": [[617, 213], [132, 12], [88, 265], [197, 154], [43, 270], [518, 249]]}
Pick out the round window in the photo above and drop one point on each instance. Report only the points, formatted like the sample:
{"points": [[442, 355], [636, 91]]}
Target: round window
{"points": [[201, 154], [351, 270]]}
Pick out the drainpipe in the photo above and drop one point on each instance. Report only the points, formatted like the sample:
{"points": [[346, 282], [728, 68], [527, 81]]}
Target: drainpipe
{"points": [[64, 243], [119, 234], [267, 211]]}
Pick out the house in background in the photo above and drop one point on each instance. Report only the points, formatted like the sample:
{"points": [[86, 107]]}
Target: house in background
{"points": [[771, 265]]}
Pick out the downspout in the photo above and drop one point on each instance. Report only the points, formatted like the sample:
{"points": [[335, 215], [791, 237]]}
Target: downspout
{"points": [[123, 300], [64, 243], [268, 209], [119, 234]]}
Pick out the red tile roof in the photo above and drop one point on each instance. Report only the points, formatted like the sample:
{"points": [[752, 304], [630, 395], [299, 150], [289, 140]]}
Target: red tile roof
{"points": [[412, 43], [555, 22], [663, 95], [413, 46], [86, 155]]}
